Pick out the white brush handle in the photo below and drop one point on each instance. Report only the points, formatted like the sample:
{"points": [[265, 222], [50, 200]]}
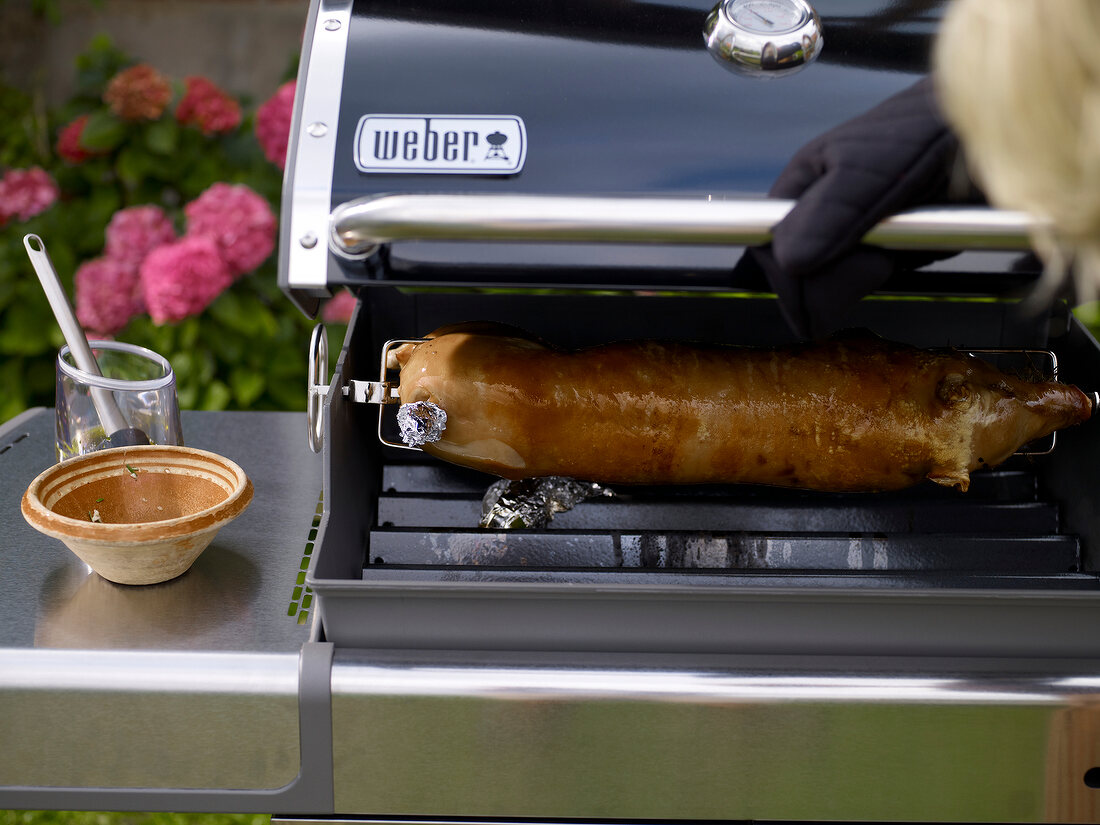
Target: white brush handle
{"points": [[104, 401]]}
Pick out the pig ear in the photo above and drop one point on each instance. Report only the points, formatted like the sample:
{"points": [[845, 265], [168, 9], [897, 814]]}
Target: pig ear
{"points": [[955, 392], [397, 358], [959, 478]]}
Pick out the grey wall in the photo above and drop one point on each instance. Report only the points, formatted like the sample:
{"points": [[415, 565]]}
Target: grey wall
{"points": [[242, 45]]}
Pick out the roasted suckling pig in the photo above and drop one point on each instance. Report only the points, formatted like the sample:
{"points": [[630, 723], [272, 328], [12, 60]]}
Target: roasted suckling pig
{"points": [[854, 413]]}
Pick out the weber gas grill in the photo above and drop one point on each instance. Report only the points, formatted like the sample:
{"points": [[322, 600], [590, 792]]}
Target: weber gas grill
{"points": [[591, 172]]}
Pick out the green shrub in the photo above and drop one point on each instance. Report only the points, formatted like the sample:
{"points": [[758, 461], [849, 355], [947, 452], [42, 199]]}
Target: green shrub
{"points": [[246, 349]]}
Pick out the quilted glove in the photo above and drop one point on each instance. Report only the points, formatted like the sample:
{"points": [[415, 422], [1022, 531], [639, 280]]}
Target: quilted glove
{"points": [[895, 156]]}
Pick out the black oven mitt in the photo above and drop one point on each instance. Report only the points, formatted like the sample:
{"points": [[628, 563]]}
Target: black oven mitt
{"points": [[895, 156]]}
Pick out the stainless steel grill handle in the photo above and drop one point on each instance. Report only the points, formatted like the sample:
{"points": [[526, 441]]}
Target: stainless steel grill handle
{"points": [[361, 225], [317, 387]]}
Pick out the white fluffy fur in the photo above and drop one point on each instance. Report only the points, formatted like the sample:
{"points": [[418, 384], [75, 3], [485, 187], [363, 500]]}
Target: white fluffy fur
{"points": [[1019, 80]]}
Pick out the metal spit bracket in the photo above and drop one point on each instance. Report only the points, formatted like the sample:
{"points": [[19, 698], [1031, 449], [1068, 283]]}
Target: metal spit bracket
{"points": [[357, 391], [1050, 373], [381, 392]]}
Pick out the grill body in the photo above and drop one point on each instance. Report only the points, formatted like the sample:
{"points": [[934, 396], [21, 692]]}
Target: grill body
{"points": [[707, 653]]}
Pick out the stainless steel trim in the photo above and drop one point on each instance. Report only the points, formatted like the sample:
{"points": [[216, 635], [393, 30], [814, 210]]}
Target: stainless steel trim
{"points": [[695, 685], [314, 148], [714, 741], [150, 672], [361, 224], [104, 718]]}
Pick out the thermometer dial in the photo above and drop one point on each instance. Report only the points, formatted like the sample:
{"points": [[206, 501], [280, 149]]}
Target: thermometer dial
{"points": [[764, 38], [766, 16]]}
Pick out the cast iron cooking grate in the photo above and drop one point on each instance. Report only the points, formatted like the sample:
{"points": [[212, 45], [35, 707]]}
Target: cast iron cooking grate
{"points": [[1001, 529]]}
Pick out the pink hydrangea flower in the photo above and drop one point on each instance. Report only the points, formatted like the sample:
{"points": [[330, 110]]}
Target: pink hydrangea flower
{"points": [[183, 278], [273, 123], [108, 294], [138, 93], [68, 142], [208, 107], [25, 193], [338, 309], [136, 231], [239, 220]]}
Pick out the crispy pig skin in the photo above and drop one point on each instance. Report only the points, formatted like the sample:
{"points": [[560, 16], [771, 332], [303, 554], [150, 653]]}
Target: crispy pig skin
{"points": [[856, 413]]}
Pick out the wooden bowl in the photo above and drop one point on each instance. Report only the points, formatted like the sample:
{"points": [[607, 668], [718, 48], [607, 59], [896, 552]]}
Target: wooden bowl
{"points": [[138, 515]]}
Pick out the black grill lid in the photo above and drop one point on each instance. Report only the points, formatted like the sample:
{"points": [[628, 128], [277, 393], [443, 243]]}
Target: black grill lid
{"points": [[617, 97], [595, 98]]}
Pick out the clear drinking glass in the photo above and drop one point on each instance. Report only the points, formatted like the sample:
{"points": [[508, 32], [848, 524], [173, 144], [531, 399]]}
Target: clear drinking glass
{"points": [[140, 381]]}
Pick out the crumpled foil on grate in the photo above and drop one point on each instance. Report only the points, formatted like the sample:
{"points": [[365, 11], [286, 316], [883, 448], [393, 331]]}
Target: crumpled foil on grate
{"points": [[421, 422], [533, 502]]}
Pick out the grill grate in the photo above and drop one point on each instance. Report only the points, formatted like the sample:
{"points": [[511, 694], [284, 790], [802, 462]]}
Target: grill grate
{"points": [[427, 516]]}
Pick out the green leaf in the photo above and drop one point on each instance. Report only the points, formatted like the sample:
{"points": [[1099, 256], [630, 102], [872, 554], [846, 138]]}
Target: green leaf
{"points": [[217, 396], [228, 311], [7, 293], [287, 396], [189, 329], [184, 367], [26, 331], [96, 66], [247, 385], [13, 400], [101, 204], [48, 9], [132, 166], [162, 136], [187, 396], [236, 348], [103, 132], [240, 309]]}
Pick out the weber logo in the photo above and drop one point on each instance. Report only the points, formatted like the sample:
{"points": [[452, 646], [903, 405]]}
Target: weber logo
{"points": [[441, 144]]}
